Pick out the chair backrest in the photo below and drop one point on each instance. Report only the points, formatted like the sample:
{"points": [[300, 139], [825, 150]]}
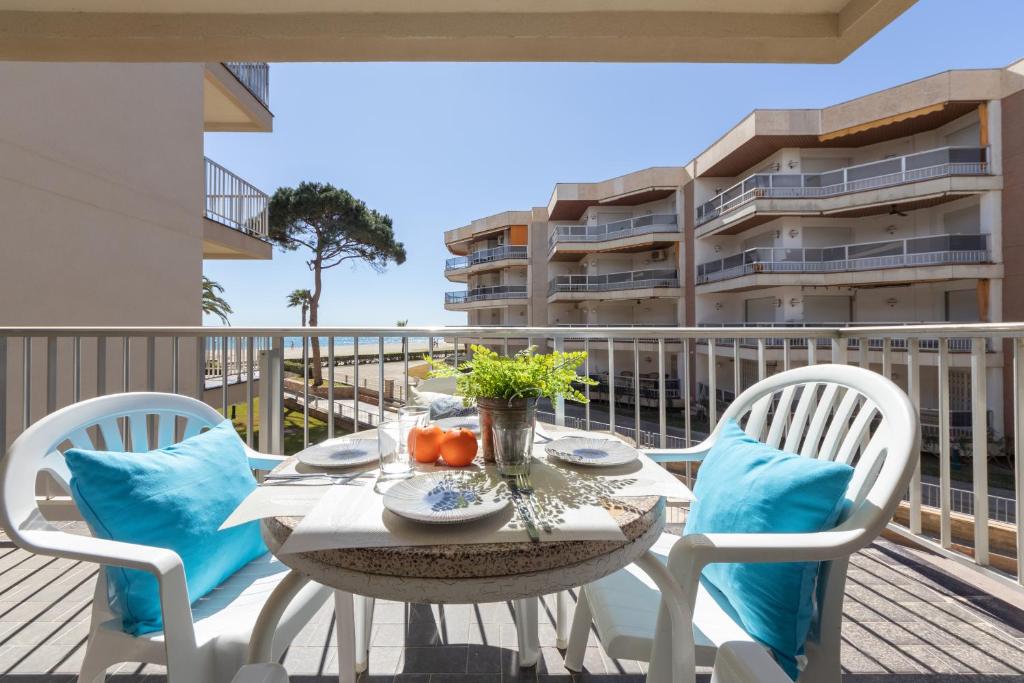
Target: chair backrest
{"points": [[135, 422], [844, 414]]}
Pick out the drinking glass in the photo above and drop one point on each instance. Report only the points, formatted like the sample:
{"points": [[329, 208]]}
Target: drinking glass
{"points": [[513, 445], [409, 418], [394, 456]]}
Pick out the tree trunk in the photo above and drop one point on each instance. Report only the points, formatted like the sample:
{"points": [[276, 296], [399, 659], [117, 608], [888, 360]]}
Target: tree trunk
{"points": [[314, 307]]}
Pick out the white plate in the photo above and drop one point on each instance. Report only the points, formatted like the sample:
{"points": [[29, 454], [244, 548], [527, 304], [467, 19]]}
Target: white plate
{"points": [[470, 422], [445, 498], [593, 452], [343, 452]]}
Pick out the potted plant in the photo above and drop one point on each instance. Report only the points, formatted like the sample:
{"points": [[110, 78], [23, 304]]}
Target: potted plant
{"points": [[506, 390]]}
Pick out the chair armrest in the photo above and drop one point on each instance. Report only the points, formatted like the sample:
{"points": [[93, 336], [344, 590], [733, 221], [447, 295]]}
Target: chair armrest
{"points": [[668, 455], [165, 564], [694, 551], [263, 461]]}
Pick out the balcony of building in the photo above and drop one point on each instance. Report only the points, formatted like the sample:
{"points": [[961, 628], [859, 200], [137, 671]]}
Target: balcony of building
{"points": [[459, 268], [643, 233], [918, 259], [236, 217], [478, 297], [508, 228], [634, 284], [901, 183], [236, 97], [938, 593]]}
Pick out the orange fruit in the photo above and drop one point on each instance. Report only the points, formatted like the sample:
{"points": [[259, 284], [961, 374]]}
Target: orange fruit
{"points": [[458, 447], [425, 443]]}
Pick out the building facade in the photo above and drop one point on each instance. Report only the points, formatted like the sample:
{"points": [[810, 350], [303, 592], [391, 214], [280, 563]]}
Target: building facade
{"points": [[901, 206], [111, 208]]}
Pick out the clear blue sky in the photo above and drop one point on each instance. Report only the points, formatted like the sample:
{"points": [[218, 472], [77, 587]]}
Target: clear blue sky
{"points": [[437, 145]]}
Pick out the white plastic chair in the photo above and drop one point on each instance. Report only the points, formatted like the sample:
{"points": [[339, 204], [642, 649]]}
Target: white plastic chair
{"points": [[657, 610], [204, 642], [739, 662], [263, 673]]}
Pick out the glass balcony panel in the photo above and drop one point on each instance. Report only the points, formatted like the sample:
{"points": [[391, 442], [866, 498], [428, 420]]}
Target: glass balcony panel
{"points": [[873, 170], [875, 249]]}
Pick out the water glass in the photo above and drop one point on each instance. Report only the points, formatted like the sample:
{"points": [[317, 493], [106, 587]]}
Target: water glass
{"points": [[513, 446], [394, 456], [409, 418]]}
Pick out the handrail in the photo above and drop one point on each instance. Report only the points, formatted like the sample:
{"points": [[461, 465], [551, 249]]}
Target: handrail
{"points": [[933, 163], [487, 256], [235, 202], [486, 294], [914, 251], [629, 227], [255, 76], [633, 279], [48, 367]]}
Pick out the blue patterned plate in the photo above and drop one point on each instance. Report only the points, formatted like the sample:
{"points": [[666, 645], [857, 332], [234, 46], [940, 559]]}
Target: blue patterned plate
{"points": [[445, 497], [347, 451], [593, 452]]}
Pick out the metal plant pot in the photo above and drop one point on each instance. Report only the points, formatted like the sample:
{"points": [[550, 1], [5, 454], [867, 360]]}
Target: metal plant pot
{"points": [[510, 420]]}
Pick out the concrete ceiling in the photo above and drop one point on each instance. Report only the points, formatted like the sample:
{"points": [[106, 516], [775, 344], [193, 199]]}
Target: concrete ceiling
{"points": [[455, 30]]}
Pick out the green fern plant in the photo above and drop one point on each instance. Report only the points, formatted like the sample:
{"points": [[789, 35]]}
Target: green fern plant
{"points": [[527, 374]]}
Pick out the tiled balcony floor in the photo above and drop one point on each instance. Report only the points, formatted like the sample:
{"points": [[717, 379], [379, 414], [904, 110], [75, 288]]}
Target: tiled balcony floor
{"points": [[906, 621]]}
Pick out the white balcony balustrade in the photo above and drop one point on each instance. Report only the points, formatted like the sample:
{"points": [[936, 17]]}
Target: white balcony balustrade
{"points": [[485, 294], [236, 203], [610, 282], [649, 399], [933, 250], [630, 227], [255, 76], [910, 168], [487, 256]]}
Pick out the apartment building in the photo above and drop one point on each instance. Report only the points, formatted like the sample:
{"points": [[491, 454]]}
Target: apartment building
{"points": [[496, 257], [889, 208], [110, 207]]}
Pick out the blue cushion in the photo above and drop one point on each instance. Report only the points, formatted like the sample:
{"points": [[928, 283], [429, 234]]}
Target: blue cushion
{"points": [[744, 486], [175, 497]]}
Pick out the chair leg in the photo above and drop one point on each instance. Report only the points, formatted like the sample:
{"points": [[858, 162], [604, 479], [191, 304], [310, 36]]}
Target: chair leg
{"points": [[363, 613], [526, 630], [580, 633], [94, 665]]}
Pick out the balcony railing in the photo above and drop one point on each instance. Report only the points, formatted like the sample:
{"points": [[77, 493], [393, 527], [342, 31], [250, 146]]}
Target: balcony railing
{"points": [[45, 368], [486, 256], [933, 250], [910, 168], [485, 294], [255, 76], [953, 344], [642, 225], [610, 282], [236, 203]]}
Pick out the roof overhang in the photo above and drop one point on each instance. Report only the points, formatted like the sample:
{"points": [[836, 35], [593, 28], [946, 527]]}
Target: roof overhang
{"points": [[765, 132], [816, 31], [569, 200]]}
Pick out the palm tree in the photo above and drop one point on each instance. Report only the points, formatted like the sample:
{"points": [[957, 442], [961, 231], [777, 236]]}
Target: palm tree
{"points": [[300, 298], [213, 303]]}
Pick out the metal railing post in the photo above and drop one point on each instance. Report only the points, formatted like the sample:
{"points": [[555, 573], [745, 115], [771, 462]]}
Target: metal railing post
{"points": [[979, 448], [270, 397]]}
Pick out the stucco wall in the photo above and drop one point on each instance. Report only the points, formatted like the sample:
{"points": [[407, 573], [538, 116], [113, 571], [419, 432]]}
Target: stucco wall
{"points": [[101, 185], [101, 199]]}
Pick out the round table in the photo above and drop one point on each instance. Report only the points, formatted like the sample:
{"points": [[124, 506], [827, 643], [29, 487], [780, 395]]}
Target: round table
{"points": [[454, 574]]}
